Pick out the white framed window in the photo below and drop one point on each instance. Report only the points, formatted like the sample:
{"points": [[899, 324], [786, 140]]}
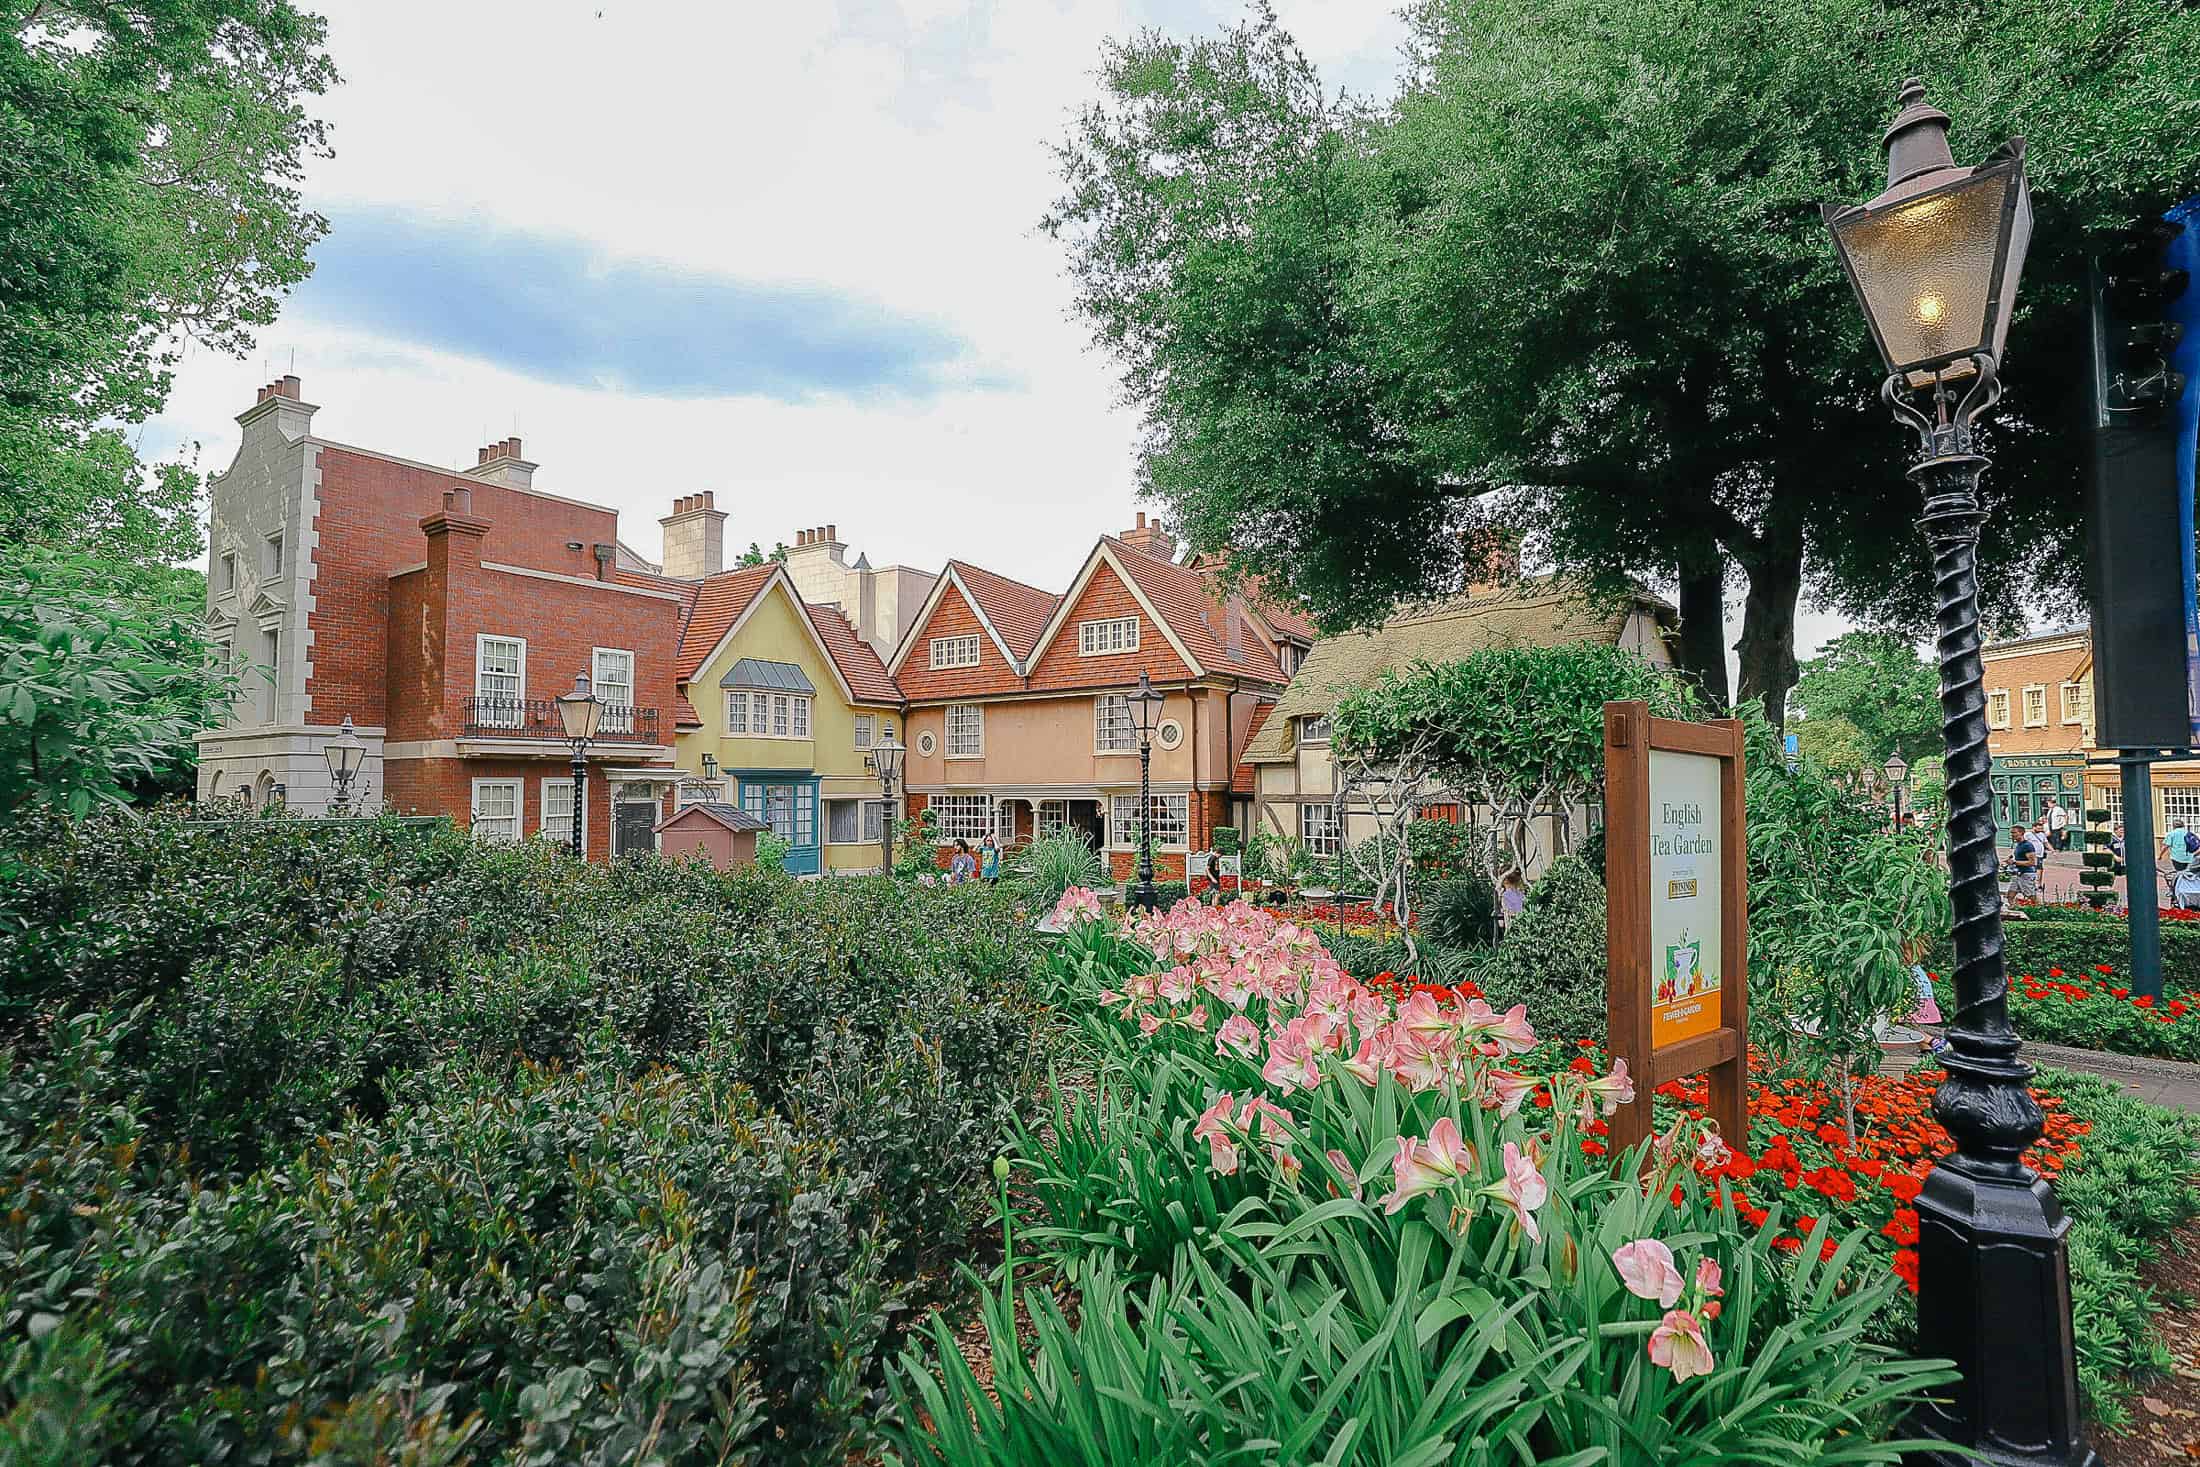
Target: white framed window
{"points": [[229, 570], [864, 723], [2035, 706], [497, 806], [2073, 703], [557, 810], [1114, 730], [1105, 638], [965, 731], [500, 680], [737, 710], [271, 650], [1051, 816], [855, 822], [611, 674], [1997, 708], [2179, 802], [1318, 829], [1171, 821], [963, 817], [2111, 799], [954, 652], [698, 792], [801, 718], [1313, 728], [271, 557]]}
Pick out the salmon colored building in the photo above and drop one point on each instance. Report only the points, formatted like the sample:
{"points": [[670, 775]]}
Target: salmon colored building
{"points": [[1019, 718]]}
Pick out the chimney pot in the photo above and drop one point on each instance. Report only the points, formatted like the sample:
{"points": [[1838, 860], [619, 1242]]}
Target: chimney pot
{"points": [[450, 499], [1141, 519], [832, 532], [291, 387], [462, 501], [710, 498]]}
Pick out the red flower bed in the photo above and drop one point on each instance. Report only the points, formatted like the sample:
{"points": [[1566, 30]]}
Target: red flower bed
{"points": [[2096, 1009], [1799, 1158], [1343, 914]]}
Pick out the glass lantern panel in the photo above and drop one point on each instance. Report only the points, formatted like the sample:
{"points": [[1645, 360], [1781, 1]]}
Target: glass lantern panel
{"points": [[1925, 268]]}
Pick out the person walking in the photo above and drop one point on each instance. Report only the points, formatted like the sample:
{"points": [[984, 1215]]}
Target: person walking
{"points": [[2180, 846], [989, 860], [2024, 865], [961, 867], [2058, 826]]}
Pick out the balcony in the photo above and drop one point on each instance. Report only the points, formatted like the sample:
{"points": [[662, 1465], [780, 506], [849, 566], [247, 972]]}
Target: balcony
{"points": [[537, 718]]}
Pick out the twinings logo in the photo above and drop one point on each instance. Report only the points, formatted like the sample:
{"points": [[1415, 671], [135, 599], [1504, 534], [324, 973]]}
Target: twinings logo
{"points": [[1677, 889]]}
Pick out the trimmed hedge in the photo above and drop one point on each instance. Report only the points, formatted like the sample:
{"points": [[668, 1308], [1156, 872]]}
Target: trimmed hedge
{"points": [[2059, 937]]}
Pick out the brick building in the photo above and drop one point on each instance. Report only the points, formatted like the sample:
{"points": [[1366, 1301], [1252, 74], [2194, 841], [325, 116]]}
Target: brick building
{"points": [[442, 612], [1018, 709], [2039, 711]]}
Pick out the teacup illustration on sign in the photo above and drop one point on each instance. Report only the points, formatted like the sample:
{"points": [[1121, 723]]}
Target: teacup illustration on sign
{"points": [[1683, 976]]}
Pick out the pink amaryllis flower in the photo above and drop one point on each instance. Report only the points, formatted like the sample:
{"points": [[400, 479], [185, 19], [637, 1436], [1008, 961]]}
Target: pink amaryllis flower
{"points": [[1291, 1065], [1607, 1093], [1504, 1092], [1238, 1036], [1345, 1169], [1426, 1021], [1271, 1119], [1214, 1128], [1522, 1188], [1372, 1058], [1421, 1167], [1709, 1277], [1417, 1065], [1510, 1031], [1077, 905], [1678, 1345], [1646, 1268]]}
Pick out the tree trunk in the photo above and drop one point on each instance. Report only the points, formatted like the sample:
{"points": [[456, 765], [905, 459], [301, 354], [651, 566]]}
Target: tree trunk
{"points": [[1702, 650], [1767, 645]]}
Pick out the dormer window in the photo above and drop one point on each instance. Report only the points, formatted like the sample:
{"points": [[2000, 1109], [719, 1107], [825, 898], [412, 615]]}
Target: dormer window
{"points": [[1105, 638], [954, 652], [1314, 728]]}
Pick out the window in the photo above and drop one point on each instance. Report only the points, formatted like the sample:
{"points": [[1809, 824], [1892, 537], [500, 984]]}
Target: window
{"points": [[612, 672], [1052, 816], [2179, 802], [965, 731], [2073, 703], [963, 817], [763, 715], [1101, 638], [698, 792], [853, 822], [496, 809], [271, 652], [1318, 829], [1114, 731], [737, 711], [1171, 821], [500, 680], [863, 730], [229, 570], [271, 558], [557, 811], [1997, 708], [2035, 707], [801, 718], [1314, 728], [790, 810], [954, 652]]}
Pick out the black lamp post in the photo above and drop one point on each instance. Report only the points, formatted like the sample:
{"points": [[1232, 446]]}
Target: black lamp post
{"points": [[1897, 770], [886, 757], [1146, 702], [1934, 261], [581, 711], [344, 753]]}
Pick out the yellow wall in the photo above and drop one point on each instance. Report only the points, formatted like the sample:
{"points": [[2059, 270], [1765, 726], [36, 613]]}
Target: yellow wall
{"points": [[775, 631]]}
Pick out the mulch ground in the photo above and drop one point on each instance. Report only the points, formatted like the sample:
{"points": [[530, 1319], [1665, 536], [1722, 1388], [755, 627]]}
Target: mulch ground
{"points": [[2165, 1409]]}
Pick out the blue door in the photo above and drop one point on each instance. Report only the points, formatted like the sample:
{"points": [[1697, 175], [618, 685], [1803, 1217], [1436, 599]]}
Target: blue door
{"points": [[789, 806]]}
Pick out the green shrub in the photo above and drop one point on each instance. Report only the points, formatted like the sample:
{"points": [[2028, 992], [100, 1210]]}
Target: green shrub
{"points": [[772, 849], [1552, 958], [1460, 912], [1055, 863], [1443, 850]]}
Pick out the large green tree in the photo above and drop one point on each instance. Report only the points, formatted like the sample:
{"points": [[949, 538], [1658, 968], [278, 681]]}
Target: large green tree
{"points": [[1876, 685], [1574, 279], [150, 154]]}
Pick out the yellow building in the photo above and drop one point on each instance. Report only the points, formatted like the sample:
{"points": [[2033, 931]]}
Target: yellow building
{"points": [[780, 704]]}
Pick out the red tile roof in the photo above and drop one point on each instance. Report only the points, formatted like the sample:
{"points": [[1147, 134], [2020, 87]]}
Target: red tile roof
{"points": [[859, 665], [684, 714], [1241, 777], [1281, 616], [1184, 599], [719, 602], [1018, 612]]}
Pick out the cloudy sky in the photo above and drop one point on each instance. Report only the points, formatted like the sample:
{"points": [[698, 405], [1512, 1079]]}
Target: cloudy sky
{"points": [[786, 250]]}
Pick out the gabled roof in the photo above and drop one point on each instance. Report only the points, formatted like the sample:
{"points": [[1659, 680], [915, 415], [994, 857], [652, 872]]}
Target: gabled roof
{"points": [[1012, 613], [858, 661], [1275, 612], [732, 817], [1182, 601], [719, 602], [1241, 777], [1541, 612]]}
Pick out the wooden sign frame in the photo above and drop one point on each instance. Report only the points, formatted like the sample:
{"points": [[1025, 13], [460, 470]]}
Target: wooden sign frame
{"points": [[1722, 1053]]}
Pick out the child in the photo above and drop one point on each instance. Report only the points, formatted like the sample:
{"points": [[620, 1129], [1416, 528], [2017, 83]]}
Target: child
{"points": [[1512, 895]]}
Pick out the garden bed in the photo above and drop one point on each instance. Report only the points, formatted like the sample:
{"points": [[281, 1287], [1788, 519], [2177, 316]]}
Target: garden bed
{"points": [[2093, 1007]]}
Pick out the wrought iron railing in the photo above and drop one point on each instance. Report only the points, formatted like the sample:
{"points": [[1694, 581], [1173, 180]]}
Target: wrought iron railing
{"points": [[537, 718]]}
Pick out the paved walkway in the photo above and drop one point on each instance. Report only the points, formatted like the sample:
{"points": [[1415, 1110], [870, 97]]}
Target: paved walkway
{"points": [[2171, 1083]]}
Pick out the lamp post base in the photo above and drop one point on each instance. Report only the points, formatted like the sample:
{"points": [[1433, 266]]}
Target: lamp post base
{"points": [[1992, 1241]]}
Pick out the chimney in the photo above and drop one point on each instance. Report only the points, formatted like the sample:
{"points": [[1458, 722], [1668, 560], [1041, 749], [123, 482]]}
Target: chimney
{"points": [[1152, 539], [502, 463], [282, 403], [1493, 563], [695, 537]]}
